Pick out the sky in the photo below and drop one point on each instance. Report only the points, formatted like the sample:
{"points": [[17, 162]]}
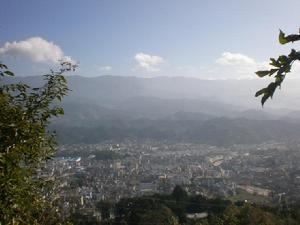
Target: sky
{"points": [[207, 39]]}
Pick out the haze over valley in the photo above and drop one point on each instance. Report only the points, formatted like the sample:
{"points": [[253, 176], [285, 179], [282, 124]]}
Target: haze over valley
{"points": [[216, 112]]}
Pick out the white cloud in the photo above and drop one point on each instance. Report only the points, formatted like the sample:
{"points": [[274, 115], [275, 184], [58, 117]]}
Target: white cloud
{"points": [[147, 62], [235, 59], [238, 66], [35, 49], [105, 68]]}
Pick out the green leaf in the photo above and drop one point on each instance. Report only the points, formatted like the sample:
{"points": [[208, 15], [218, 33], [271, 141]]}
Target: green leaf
{"points": [[264, 99], [279, 78], [274, 62], [3, 66], [9, 73], [271, 88], [60, 111], [282, 39], [283, 59], [286, 39], [260, 92], [262, 73], [267, 92], [272, 71]]}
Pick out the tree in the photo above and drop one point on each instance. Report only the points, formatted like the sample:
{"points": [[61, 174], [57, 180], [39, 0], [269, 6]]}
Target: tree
{"points": [[131, 210], [105, 208], [162, 215], [230, 215], [252, 215], [179, 194], [25, 143], [280, 67]]}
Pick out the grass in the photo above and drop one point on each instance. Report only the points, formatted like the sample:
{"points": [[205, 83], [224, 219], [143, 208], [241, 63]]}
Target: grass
{"points": [[243, 195]]}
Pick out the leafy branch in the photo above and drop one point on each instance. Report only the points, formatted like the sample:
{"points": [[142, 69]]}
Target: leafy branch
{"points": [[25, 143], [280, 68]]}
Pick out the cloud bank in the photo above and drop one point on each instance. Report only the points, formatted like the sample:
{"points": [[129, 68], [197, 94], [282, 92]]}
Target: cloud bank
{"points": [[35, 49], [149, 63], [235, 59], [238, 66]]}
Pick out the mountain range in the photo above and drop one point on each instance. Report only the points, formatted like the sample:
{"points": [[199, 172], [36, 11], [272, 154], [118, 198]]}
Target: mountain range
{"points": [[217, 112]]}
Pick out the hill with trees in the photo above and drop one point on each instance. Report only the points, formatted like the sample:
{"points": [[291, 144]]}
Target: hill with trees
{"points": [[180, 208]]}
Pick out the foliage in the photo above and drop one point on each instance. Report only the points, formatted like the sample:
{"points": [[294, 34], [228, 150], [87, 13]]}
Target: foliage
{"points": [[179, 193], [280, 67], [162, 215], [143, 211], [25, 144], [167, 209], [105, 208], [133, 211]]}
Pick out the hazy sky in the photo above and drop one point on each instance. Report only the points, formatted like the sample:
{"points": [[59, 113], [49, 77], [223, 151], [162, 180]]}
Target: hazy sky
{"points": [[206, 39]]}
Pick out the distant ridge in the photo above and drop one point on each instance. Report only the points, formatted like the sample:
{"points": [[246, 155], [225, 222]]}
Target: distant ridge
{"points": [[218, 112]]}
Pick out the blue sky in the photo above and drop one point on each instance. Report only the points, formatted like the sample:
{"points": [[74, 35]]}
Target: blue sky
{"points": [[208, 39]]}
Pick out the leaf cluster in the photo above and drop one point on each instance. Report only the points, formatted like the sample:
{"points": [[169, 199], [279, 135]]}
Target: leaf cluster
{"points": [[280, 68]]}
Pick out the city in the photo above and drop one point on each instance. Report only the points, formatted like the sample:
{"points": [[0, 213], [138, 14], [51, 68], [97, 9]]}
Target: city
{"points": [[87, 174]]}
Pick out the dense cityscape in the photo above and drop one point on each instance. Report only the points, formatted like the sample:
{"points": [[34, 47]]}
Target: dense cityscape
{"points": [[87, 174]]}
